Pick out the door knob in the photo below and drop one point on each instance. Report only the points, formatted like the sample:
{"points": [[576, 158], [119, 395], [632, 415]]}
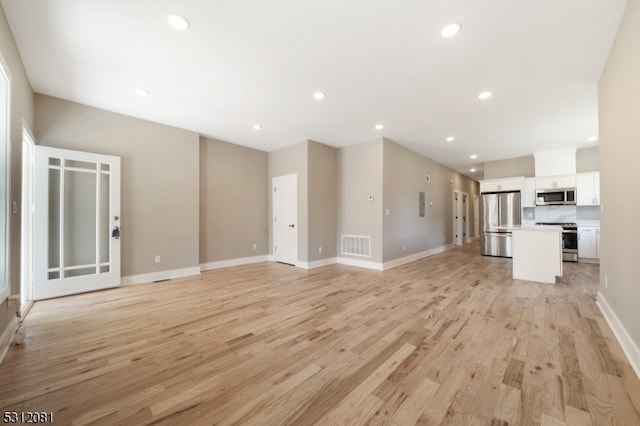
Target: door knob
{"points": [[116, 232], [292, 226]]}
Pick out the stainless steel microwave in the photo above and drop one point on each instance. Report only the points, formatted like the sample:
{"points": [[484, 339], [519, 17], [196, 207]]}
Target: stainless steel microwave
{"points": [[556, 197]]}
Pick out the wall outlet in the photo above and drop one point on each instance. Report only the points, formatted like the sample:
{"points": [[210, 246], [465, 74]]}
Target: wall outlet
{"points": [[404, 248], [157, 259], [387, 212], [255, 246], [320, 249]]}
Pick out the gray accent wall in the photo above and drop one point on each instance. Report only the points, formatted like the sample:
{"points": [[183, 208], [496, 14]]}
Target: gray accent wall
{"points": [[160, 179], [21, 109], [619, 106], [234, 188], [403, 179], [360, 170]]}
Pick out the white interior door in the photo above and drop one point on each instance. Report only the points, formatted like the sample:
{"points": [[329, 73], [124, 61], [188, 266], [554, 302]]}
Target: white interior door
{"points": [[76, 222], [285, 219]]}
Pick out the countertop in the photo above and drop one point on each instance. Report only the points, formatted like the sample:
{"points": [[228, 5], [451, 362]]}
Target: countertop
{"points": [[527, 227]]}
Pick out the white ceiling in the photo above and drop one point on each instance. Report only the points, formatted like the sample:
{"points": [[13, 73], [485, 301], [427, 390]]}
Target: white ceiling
{"points": [[244, 62]]}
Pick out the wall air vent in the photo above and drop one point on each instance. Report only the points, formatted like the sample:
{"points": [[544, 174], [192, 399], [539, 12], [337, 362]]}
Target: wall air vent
{"points": [[356, 245]]}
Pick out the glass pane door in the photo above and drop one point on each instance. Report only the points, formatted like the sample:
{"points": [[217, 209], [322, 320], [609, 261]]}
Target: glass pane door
{"points": [[81, 194]]}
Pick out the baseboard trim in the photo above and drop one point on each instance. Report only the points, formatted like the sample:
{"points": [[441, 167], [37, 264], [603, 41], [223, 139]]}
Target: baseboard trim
{"points": [[360, 263], [416, 256], [316, 263], [160, 275], [233, 262], [7, 337], [629, 347]]}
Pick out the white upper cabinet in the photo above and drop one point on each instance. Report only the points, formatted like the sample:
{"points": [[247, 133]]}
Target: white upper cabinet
{"points": [[497, 185], [588, 189], [529, 193], [553, 182]]}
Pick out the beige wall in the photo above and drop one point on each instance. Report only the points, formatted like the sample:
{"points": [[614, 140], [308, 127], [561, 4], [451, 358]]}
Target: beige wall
{"points": [[359, 176], [323, 187], [520, 166], [160, 179], [587, 160], [21, 109], [619, 108], [233, 201], [287, 161], [404, 178]]}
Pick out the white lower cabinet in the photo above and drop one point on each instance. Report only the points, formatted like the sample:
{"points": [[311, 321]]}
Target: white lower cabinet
{"points": [[588, 242]]}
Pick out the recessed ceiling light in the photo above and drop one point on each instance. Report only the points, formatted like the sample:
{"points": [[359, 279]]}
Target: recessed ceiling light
{"points": [[379, 126], [450, 139], [592, 138], [473, 156], [257, 127], [450, 30], [472, 170], [178, 22], [141, 92], [485, 95], [319, 95]]}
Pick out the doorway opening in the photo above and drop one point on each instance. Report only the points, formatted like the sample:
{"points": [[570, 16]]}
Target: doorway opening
{"points": [[460, 217]]}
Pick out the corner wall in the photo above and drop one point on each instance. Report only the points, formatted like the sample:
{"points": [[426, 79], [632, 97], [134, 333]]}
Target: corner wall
{"points": [[287, 161], [360, 170], [234, 192], [619, 107], [160, 181], [323, 189], [403, 178], [21, 109]]}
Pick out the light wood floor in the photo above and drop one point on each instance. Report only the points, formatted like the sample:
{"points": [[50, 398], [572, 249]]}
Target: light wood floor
{"points": [[449, 339]]}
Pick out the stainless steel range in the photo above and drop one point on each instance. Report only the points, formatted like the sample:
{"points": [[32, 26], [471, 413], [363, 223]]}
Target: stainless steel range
{"points": [[569, 240]]}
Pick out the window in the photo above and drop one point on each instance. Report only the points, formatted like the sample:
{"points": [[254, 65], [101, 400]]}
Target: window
{"points": [[5, 187]]}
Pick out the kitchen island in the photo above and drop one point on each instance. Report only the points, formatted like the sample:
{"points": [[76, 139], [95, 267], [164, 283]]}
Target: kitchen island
{"points": [[537, 253]]}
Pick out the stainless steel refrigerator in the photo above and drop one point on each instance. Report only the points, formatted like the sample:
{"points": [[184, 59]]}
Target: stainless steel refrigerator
{"points": [[499, 212]]}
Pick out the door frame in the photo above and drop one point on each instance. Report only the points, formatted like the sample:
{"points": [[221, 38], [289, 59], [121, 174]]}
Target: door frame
{"points": [[26, 229], [463, 221]]}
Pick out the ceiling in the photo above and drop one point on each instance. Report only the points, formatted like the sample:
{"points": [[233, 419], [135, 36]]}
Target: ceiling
{"points": [[249, 62]]}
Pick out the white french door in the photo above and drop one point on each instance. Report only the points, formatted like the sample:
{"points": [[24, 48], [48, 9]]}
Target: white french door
{"points": [[76, 231], [285, 219]]}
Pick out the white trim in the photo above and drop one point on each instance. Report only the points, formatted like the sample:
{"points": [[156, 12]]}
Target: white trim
{"points": [[317, 263], [7, 337], [234, 262], [416, 256], [360, 263], [26, 227], [161, 275], [629, 347], [5, 286]]}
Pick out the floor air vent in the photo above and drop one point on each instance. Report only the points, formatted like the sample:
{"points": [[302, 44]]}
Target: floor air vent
{"points": [[356, 245]]}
